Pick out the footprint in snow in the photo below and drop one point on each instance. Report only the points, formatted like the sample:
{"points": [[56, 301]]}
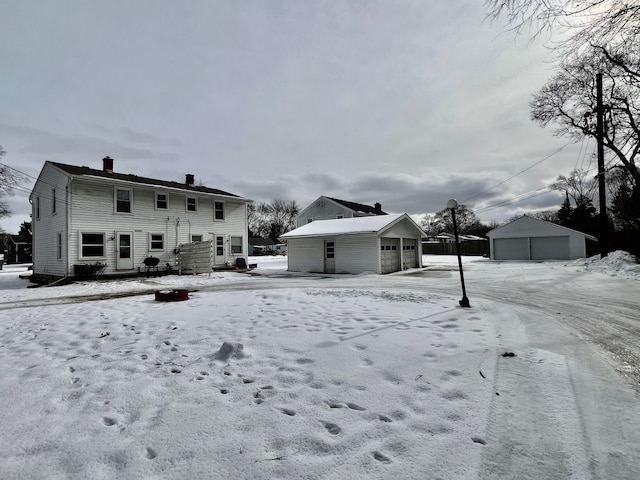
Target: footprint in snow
{"points": [[381, 458], [332, 428]]}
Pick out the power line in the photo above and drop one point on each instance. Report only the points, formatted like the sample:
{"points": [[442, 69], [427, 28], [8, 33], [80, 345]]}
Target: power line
{"points": [[519, 173]]}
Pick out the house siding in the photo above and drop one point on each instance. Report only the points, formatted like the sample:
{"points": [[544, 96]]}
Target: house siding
{"points": [[305, 255], [357, 253], [44, 245], [323, 209]]}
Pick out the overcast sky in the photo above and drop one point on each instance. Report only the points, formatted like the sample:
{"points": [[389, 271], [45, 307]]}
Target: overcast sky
{"points": [[406, 103]]}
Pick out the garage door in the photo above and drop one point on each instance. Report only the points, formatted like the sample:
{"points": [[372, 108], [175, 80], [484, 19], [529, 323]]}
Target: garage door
{"points": [[389, 255], [549, 248], [510, 249], [409, 252]]}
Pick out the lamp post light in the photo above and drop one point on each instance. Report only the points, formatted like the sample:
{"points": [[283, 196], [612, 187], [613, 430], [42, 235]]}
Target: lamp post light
{"points": [[452, 205]]}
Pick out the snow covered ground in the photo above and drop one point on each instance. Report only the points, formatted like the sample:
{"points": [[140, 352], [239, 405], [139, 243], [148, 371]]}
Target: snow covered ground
{"points": [[326, 376]]}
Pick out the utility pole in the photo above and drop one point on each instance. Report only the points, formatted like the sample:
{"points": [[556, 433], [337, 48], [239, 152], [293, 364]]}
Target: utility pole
{"points": [[603, 240]]}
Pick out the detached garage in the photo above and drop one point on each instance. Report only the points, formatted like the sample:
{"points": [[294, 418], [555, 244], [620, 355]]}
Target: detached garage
{"points": [[529, 238], [379, 244]]}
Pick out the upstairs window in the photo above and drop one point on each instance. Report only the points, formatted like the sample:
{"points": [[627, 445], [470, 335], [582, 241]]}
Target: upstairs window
{"points": [[162, 201], [53, 200], [123, 200], [192, 204], [218, 210], [37, 208]]}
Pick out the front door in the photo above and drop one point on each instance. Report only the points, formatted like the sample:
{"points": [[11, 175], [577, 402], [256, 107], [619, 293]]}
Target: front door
{"points": [[329, 257], [124, 251], [220, 258]]}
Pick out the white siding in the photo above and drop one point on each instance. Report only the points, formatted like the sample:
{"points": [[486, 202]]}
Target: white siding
{"points": [[323, 209], [305, 255], [48, 225], [357, 254]]}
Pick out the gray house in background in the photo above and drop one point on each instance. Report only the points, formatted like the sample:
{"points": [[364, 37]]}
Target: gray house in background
{"points": [[374, 243], [327, 208], [528, 238]]}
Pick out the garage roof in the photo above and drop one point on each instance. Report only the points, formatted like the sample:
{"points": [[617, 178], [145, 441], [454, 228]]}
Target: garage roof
{"points": [[348, 226]]}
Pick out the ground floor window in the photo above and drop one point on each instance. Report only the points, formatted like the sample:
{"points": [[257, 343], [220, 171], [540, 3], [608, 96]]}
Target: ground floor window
{"points": [[59, 246], [196, 238], [156, 241], [92, 245], [236, 245]]}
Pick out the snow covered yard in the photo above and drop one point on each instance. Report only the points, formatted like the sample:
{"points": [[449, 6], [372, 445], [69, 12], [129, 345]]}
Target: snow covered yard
{"points": [[323, 377]]}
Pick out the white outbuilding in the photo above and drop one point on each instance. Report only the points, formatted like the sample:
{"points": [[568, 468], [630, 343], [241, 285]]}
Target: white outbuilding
{"points": [[378, 243], [528, 238]]}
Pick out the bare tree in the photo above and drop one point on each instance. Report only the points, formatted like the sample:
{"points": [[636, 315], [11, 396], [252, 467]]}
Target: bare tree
{"points": [[568, 101], [271, 220], [581, 23], [579, 185], [9, 178]]}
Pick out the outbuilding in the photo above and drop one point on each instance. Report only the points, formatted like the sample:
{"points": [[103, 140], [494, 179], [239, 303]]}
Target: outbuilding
{"points": [[378, 244], [528, 238]]}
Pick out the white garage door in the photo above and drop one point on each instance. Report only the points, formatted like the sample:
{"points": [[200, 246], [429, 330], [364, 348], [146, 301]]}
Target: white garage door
{"points": [[549, 248], [409, 252], [510, 249], [389, 255]]}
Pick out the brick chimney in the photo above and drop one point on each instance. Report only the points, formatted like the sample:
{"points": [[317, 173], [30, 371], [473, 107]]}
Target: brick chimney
{"points": [[189, 179], [107, 164], [378, 208]]}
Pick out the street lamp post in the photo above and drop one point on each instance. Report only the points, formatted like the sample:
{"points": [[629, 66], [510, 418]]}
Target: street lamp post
{"points": [[452, 205]]}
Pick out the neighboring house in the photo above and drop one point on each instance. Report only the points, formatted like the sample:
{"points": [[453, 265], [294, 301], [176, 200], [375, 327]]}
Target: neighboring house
{"points": [[377, 243], [17, 249], [262, 246], [84, 217], [528, 238], [327, 208]]}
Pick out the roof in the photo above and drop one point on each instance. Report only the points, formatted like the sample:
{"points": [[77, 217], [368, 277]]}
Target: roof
{"points": [[356, 207], [92, 172], [348, 226]]}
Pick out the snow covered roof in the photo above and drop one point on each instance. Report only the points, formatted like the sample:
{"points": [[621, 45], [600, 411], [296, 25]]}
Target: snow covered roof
{"points": [[347, 226]]}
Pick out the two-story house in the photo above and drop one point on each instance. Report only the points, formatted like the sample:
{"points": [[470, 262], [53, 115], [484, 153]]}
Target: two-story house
{"points": [[327, 208], [83, 216]]}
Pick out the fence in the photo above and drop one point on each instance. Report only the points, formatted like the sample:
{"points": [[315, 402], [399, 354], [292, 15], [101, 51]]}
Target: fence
{"points": [[196, 257], [468, 247]]}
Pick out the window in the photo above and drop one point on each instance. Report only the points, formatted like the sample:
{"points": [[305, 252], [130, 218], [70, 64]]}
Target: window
{"points": [[123, 200], [236, 245], [53, 200], [196, 238], [162, 201], [309, 220], [156, 241], [37, 208], [218, 210], [192, 204], [330, 250], [91, 245], [339, 216], [59, 246], [219, 246]]}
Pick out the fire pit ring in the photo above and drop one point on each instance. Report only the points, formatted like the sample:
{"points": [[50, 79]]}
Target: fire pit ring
{"points": [[176, 295]]}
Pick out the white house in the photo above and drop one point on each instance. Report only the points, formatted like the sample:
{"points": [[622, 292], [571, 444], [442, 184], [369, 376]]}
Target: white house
{"points": [[102, 220], [528, 238], [376, 243], [327, 208]]}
